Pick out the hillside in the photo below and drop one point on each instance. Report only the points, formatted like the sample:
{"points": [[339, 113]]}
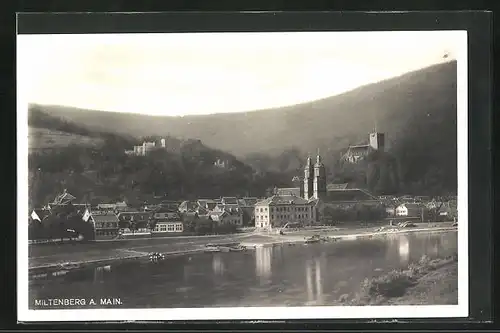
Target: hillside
{"points": [[92, 164], [330, 124], [41, 139], [417, 111]]}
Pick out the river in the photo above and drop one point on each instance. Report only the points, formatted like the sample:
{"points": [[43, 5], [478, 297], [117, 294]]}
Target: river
{"points": [[314, 274]]}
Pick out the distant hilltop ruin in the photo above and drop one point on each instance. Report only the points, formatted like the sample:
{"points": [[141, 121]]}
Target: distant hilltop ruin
{"points": [[146, 148], [357, 153]]}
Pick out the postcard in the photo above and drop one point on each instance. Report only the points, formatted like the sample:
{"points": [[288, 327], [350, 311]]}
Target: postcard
{"points": [[238, 175]]}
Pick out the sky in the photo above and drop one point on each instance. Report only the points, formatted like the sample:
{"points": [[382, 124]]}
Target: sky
{"points": [[204, 73]]}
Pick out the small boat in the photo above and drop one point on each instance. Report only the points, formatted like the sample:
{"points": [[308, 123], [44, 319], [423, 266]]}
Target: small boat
{"points": [[313, 239], [211, 249], [237, 249], [69, 266]]}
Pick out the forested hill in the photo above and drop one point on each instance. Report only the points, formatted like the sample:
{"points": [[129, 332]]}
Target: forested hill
{"points": [[394, 106], [416, 111], [184, 170]]}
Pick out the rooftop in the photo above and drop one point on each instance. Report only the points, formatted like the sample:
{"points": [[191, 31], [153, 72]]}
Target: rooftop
{"points": [[230, 200], [333, 187], [105, 218], [288, 191], [283, 200], [354, 194], [63, 198]]}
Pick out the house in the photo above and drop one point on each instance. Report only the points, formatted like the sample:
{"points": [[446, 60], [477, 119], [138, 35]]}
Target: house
{"points": [[278, 210], [225, 217], [411, 210], [106, 225], [166, 214], [140, 219], [193, 220], [208, 204], [168, 220], [39, 215], [247, 207], [174, 205], [188, 206]]}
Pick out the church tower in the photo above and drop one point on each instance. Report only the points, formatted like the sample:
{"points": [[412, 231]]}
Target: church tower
{"points": [[319, 181], [308, 179]]}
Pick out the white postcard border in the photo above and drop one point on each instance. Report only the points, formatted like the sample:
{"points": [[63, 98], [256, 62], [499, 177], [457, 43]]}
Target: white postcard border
{"points": [[245, 313]]}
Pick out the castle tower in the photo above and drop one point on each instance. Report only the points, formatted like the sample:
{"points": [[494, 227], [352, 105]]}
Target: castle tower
{"points": [[319, 181], [377, 141], [308, 179]]}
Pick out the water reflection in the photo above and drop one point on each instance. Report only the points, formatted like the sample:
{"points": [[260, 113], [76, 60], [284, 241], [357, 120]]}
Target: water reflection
{"points": [[99, 273], [217, 264], [263, 257], [314, 281], [317, 274], [404, 249]]}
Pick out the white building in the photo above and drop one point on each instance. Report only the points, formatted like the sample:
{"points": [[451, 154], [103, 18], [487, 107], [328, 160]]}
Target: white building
{"points": [[410, 210], [278, 210]]}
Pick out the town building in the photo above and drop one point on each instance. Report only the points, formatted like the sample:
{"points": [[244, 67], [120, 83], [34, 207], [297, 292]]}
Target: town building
{"points": [[138, 219], [39, 215], [277, 211], [226, 217], [342, 198], [247, 207], [105, 224], [416, 210], [356, 153], [168, 220], [62, 200]]}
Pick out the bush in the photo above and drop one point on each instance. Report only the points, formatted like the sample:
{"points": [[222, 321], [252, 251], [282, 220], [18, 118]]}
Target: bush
{"points": [[393, 284]]}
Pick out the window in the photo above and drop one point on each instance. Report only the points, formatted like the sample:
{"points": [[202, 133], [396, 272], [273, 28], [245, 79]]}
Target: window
{"points": [[271, 209], [265, 209], [163, 227], [170, 227], [178, 227], [272, 217]]}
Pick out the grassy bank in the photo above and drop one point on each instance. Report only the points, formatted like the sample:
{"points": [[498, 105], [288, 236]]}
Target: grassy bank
{"points": [[425, 282]]}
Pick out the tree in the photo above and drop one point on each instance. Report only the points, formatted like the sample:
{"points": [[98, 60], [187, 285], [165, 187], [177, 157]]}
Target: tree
{"points": [[436, 204], [152, 224]]}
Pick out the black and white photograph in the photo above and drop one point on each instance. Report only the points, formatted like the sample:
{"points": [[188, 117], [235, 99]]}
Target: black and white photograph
{"points": [[242, 175]]}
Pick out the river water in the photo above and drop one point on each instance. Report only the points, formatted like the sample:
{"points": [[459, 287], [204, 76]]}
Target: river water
{"points": [[314, 274]]}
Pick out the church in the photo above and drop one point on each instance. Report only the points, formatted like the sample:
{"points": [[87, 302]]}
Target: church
{"points": [[314, 179]]}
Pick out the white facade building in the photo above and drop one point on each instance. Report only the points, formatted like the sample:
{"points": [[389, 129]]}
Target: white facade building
{"points": [[276, 211]]}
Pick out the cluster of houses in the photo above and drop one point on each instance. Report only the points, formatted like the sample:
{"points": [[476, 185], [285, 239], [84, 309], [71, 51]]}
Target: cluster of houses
{"points": [[109, 220], [304, 204]]}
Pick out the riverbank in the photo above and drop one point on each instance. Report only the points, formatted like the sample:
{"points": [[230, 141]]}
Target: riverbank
{"points": [[43, 259], [426, 282]]}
